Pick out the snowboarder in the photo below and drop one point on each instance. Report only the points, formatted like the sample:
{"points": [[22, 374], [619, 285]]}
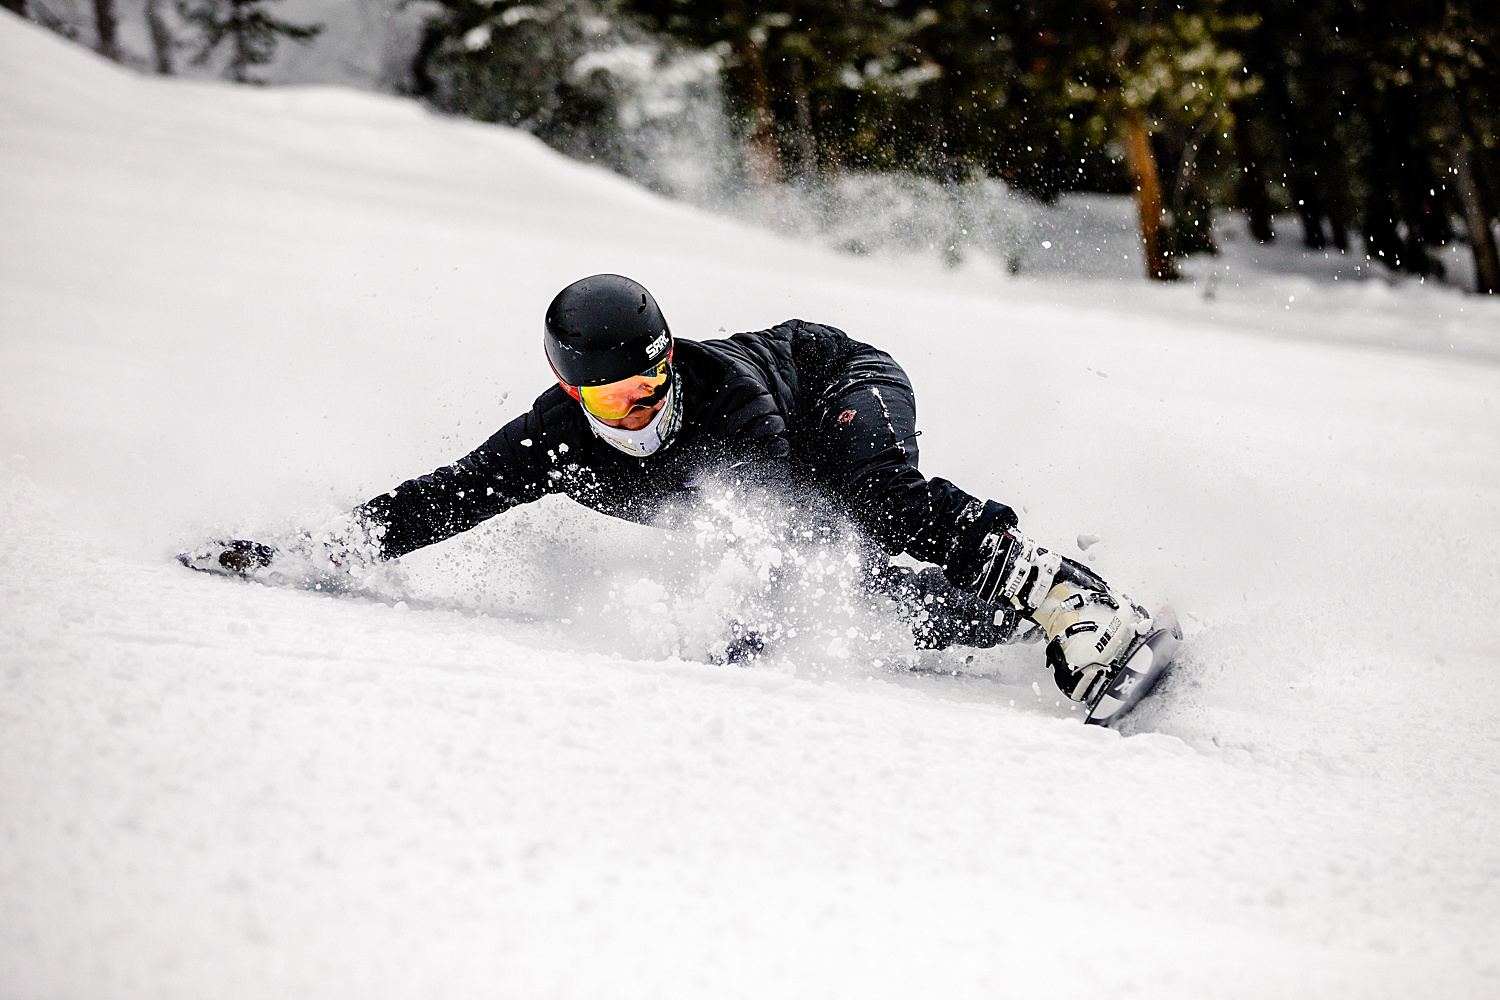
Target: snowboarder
{"points": [[638, 416]]}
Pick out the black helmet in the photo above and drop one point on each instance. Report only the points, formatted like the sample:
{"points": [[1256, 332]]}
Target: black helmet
{"points": [[604, 328]]}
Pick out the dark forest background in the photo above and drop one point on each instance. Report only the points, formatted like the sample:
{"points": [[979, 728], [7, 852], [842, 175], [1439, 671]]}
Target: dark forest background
{"points": [[1371, 119], [1375, 123]]}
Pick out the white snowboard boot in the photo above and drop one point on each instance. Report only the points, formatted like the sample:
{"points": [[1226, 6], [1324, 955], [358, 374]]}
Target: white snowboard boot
{"points": [[1090, 634], [1091, 630]]}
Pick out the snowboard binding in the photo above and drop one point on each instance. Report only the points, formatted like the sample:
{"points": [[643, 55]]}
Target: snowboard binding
{"points": [[1105, 651], [1120, 688]]}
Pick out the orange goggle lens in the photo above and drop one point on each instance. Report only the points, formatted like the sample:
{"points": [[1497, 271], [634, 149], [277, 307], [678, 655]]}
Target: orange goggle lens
{"points": [[617, 399]]}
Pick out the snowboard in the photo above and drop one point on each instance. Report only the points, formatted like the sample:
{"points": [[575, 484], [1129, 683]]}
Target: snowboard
{"points": [[1139, 673]]}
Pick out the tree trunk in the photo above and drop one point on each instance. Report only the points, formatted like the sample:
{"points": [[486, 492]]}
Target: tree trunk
{"points": [[1427, 224], [938, 160], [1310, 211], [807, 144], [1142, 163], [1254, 198], [1382, 240], [241, 58], [162, 42], [421, 82], [748, 76], [104, 22], [1421, 191], [1340, 231], [1306, 160], [1393, 206], [1476, 217], [1191, 205]]}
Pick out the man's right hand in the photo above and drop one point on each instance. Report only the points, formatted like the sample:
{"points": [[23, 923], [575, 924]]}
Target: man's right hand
{"points": [[338, 555]]}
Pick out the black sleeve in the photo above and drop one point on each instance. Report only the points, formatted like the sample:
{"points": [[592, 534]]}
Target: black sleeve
{"points": [[510, 468]]}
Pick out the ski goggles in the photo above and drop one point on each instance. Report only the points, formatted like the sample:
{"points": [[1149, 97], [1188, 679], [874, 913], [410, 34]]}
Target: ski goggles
{"points": [[615, 400]]}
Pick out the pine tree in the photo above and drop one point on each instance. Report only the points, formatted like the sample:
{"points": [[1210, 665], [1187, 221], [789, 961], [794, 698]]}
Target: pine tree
{"points": [[1443, 68], [1375, 118], [516, 62], [576, 74], [1160, 75], [742, 32], [249, 30], [1378, 116]]}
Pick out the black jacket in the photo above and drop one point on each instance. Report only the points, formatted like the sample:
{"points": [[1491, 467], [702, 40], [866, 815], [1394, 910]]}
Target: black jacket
{"points": [[756, 405]]}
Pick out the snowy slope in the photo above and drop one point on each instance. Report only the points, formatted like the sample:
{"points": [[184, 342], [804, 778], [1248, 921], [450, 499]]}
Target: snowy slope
{"points": [[243, 310]]}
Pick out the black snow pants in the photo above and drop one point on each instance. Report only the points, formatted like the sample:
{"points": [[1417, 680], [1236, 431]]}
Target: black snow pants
{"points": [[862, 432]]}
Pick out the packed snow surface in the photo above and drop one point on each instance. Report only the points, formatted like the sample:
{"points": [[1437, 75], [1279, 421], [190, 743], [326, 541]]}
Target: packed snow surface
{"points": [[506, 771]]}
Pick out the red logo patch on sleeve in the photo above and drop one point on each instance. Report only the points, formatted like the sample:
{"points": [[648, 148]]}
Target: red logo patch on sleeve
{"points": [[846, 416]]}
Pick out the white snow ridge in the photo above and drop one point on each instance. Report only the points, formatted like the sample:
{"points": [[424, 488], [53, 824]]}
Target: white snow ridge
{"points": [[234, 310]]}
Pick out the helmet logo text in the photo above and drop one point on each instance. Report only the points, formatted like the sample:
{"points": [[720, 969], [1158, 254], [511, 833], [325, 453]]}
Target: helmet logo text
{"points": [[657, 346]]}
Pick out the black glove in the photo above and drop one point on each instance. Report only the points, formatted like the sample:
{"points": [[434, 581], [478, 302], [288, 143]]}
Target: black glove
{"points": [[232, 557], [1016, 571]]}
